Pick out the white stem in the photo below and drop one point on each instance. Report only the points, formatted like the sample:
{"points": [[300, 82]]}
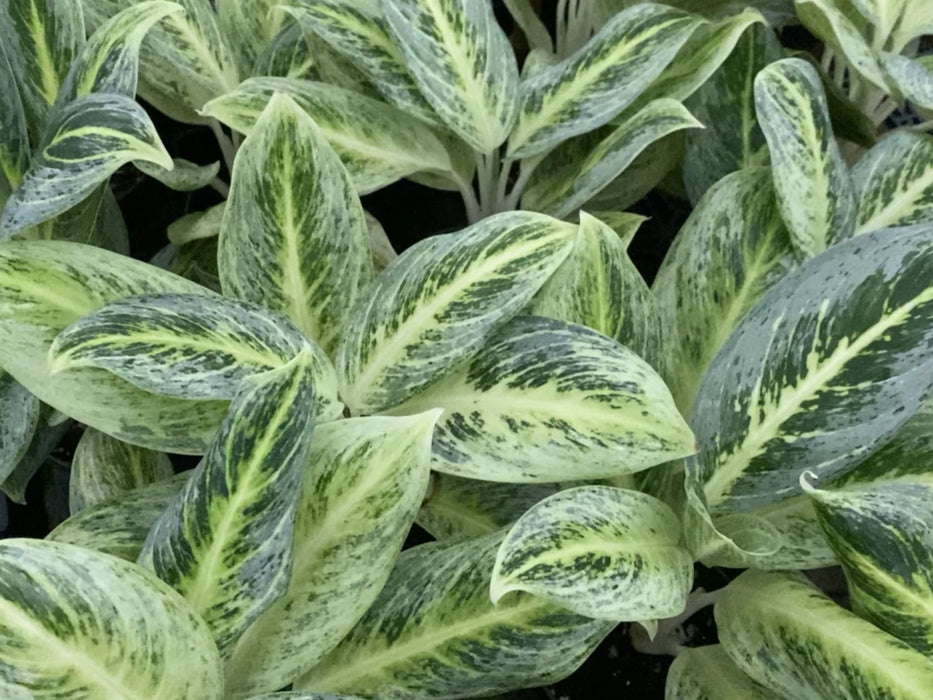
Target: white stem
{"points": [[221, 187], [227, 149], [470, 203]]}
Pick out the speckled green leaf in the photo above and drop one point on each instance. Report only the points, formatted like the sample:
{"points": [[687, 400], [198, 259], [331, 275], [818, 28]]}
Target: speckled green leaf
{"points": [[598, 286], [19, 416], [549, 401], [560, 192], [462, 62], [377, 143], [91, 137], [894, 182], [248, 26], [120, 524], [50, 429], [82, 624], [910, 78], [225, 541], [729, 252], [183, 176], [785, 634], [439, 302], [826, 367], [881, 535], [599, 81], [707, 673], [600, 551], [14, 135], [294, 238], [46, 286], [814, 189], [290, 54], [366, 479], [433, 632], [103, 467]]}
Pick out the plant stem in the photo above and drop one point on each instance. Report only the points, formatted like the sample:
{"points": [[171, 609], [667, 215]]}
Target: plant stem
{"points": [[526, 170], [227, 149], [221, 187], [470, 203]]}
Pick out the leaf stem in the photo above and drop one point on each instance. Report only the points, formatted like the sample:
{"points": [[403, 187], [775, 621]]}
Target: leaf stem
{"points": [[221, 187], [227, 147], [470, 203], [526, 170]]}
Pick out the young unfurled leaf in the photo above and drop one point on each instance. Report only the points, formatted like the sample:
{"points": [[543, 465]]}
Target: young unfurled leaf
{"points": [[600, 551], [707, 673], [83, 624], [365, 481], [225, 542], [439, 302], [294, 237]]}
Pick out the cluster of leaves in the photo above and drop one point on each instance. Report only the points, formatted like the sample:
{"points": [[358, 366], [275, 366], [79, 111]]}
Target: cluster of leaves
{"points": [[514, 388]]}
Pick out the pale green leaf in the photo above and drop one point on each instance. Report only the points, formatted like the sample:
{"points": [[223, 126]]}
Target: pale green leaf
{"points": [[911, 78], [183, 176], [248, 26], [707, 673], [380, 247], [19, 417], [197, 225], [531, 24], [303, 696], [290, 54]]}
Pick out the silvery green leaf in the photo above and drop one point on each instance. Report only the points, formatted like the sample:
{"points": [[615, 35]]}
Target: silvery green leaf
{"points": [[45, 440], [104, 467], [599, 551], [248, 26], [910, 78], [19, 417], [588, 89], [120, 524], [560, 192], [183, 176], [75, 280], [584, 408], [377, 143], [814, 189], [707, 673], [83, 624], [290, 54], [294, 238], [785, 634], [531, 25], [91, 137], [225, 541], [361, 490], [14, 135], [433, 632], [439, 302], [831, 361], [463, 64], [197, 225]]}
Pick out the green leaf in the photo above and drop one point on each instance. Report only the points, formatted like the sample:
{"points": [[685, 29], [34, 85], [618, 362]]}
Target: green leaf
{"points": [[380, 247], [433, 632], [366, 479], [46, 286], [560, 192], [881, 535], [601, 79], [586, 408], [197, 225], [45, 439], [377, 143], [120, 524], [826, 367], [439, 302], [248, 26], [910, 78], [463, 64], [225, 541], [303, 696], [14, 135], [290, 54], [83, 624], [183, 176], [531, 24], [786, 635], [599, 551], [812, 182], [19, 417], [104, 467], [91, 138], [730, 251], [294, 238], [707, 673]]}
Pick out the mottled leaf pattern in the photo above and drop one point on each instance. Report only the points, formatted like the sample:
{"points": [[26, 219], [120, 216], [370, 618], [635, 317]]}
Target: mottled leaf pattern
{"points": [[19, 416], [45, 439], [912, 78], [707, 673], [248, 26], [14, 135], [290, 54]]}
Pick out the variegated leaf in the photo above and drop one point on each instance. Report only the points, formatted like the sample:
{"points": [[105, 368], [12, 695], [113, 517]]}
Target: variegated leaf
{"points": [[601, 79], [83, 624], [294, 238], [91, 137], [14, 135], [119, 525], [785, 634], [813, 186], [47, 436], [248, 26], [600, 551], [290, 54], [911, 78], [894, 182], [19, 417], [827, 366], [598, 286], [550, 401], [46, 286], [433, 632], [881, 535], [731, 250], [197, 225], [103, 467], [463, 64], [377, 143], [707, 673], [225, 541], [905, 19], [366, 479], [439, 302], [183, 176], [472, 508], [561, 192]]}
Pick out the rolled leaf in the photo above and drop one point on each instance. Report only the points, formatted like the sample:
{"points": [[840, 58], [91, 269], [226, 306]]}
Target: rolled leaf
{"points": [[550, 401], [439, 302], [19, 417], [183, 176], [85, 624], [707, 673]]}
